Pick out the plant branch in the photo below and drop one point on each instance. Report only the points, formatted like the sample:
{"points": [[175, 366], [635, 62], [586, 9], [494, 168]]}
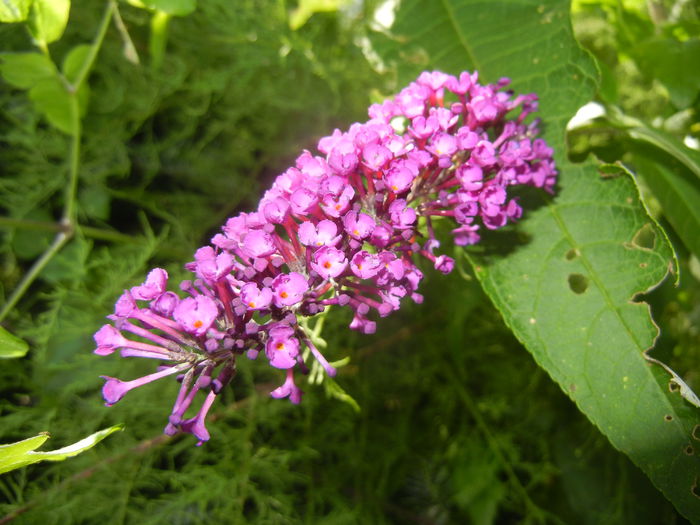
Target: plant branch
{"points": [[95, 48], [68, 222], [62, 238]]}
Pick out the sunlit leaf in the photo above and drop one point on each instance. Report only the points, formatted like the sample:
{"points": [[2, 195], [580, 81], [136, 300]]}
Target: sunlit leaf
{"points": [[23, 453], [14, 10], [48, 19], [307, 8], [171, 7], [566, 285], [11, 346]]}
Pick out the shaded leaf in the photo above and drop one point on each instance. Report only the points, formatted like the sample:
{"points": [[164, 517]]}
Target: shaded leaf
{"points": [[677, 191], [23, 453], [24, 70], [55, 102], [11, 346], [668, 143], [567, 288], [74, 60], [669, 61], [14, 10]]}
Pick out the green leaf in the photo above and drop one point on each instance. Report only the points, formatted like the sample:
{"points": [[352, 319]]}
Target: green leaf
{"points": [[52, 99], [677, 191], [566, 282], [74, 60], [14, 10], [307, 8], [668, 143], [48, 20], [11, 346], [170, 7], [24, 70], [669, 61], [23, 453]]}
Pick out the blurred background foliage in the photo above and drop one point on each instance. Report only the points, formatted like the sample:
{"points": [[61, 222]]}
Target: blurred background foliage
{"points": [[457, 423]]}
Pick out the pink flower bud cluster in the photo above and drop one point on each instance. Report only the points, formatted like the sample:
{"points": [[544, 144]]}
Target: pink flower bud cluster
{"points": [[342, 228]]}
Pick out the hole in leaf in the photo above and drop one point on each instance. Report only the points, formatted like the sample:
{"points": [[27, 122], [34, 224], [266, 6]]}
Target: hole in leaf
{"points": [[696, 433], [689, 450], [572, 254], [673, 387], [645, 238], [695, 490], [578, 283], [668, 417]]}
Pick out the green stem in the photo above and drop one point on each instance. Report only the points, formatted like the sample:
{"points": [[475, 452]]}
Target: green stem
{"points": [[67, 224], [69, 213], [95, 47], [58, 242], [159, 38], [68, 220], [129, 49]]}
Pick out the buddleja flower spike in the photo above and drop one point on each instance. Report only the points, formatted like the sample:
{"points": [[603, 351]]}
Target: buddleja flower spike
{"points": [[345, 229]]}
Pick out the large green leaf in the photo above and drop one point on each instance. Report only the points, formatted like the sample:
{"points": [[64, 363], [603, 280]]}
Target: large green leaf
{"points": [[23, 453], [567, 288]]}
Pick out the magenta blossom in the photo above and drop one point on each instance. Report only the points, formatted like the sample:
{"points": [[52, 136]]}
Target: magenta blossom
{"points": [[351, 227]]}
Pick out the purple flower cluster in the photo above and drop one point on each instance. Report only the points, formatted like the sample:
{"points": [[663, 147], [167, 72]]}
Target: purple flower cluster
{"points": [[339, 229]]}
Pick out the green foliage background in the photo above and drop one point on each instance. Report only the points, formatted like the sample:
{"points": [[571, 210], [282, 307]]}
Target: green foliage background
{"points": [[458, 424]]}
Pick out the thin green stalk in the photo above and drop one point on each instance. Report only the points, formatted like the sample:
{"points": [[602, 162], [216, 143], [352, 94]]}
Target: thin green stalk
{"points": [[95, 47], [28, 224], [129, 49], [159, 38], [69, 213], [58, 242]]}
